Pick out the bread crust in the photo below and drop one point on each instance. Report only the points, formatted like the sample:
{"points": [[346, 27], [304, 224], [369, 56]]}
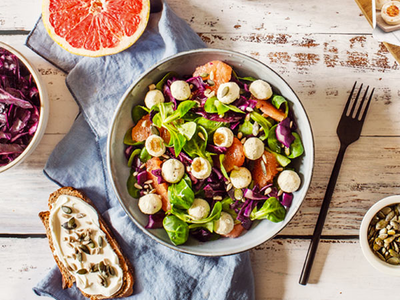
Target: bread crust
{"points": [[67, 278]]}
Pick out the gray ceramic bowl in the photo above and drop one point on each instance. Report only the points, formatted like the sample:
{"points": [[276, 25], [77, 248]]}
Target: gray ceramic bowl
{"points": [[44, 109], [184, 63]]}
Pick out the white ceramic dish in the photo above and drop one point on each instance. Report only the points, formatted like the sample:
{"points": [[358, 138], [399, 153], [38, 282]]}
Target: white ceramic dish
{"points": [[369, 255], [44, 109], [185, 63]]}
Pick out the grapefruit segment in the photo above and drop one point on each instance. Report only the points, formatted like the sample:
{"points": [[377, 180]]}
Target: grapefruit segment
{"points": [[161, 188], [234, 156], [221, 73], [236, 231], [263, 176], [270, 111], [95, 27], [142, 129]]}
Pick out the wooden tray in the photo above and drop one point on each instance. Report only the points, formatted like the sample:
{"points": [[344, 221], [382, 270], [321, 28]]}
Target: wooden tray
{"points": [[366, 9], [385, 26]]}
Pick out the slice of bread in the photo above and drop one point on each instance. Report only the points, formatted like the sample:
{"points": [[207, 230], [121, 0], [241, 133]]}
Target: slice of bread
{"points": [[68, 278]]}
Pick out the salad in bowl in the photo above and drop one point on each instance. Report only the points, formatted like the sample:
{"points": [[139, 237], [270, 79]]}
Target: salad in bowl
{"points": [[212, 153]]}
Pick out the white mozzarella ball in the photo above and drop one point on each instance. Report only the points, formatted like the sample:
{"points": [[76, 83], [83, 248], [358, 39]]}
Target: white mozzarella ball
{"points": [[155, 145], [223, 137], [260, 89], [224, 224], [289, 181], [180, 90], [253, 148], [240, 177], [201, 168], [172, 170], [153, 97], [150, 204], [199, 209], [228, 92]]}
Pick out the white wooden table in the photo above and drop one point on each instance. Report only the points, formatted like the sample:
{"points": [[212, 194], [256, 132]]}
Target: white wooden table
{"points": [[320, 48]]}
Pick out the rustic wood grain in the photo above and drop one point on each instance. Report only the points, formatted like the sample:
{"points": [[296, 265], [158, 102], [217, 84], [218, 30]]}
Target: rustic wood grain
{"points": [[366, 8], [276, 267]]}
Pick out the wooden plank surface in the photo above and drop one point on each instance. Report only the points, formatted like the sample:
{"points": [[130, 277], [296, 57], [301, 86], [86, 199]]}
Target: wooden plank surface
{"points": [[276, 267], [366, 8]]}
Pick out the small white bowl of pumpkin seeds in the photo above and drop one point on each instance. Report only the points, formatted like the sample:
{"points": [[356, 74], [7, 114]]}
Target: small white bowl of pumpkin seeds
{"points": [[380, 235]]}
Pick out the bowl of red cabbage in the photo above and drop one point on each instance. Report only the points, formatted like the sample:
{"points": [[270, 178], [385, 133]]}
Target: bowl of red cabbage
{"points": [[210, 152], [23, 107]]}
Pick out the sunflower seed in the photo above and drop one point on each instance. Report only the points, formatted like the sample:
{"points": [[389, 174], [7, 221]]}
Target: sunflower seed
{"points": [[243, 140], [239, 135], [249, 109], [138, 186], [152, 87], [389, 216], [135, 174], [381, 224], [212, 75], [142, 166], [280, 193], [287, 151], [279, 169], [386, 210], [256, 127], [217, 198], [264, 158], [267, 191], [263, 168], [79, 256], [201, 135], [80, 215], [229, 187]]}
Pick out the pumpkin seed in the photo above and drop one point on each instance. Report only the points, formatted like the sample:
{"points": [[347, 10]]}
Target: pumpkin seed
{"points": [[394, 260], [111, 271], [70, 224], [94, 268], [82, 271], [202, 75], [85, 249], [91, 244], [66, 209], [100, 241], [381, 224], [386, 210], [210, 82], [102, 266], [225, 91]]}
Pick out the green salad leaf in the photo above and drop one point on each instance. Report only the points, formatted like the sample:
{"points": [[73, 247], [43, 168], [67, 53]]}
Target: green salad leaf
{"points": [[265, 124], [281, 159], [272, 210], [278, 101], [139, 112], [213, 105], [177, 230], [160, 84], [246, 127], [132, 156], [223, 170], [181, 194], [144, 156], [273, 142], [196, 146], [296, 148], [214, 215], [132, 190]]}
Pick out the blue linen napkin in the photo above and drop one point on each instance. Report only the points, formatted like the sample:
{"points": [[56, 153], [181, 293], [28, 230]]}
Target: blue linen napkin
{"points": [[78, 160]]}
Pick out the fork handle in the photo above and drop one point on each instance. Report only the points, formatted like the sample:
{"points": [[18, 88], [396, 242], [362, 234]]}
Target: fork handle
{"points": [[305, 273]]}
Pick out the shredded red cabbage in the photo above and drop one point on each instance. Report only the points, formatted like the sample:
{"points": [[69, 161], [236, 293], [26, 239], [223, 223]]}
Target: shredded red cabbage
{"points": [[283, 133], [201, 234], [287, 199], [155, 221], [19, 107], [215, 149], [249, 194], [157, 173]]}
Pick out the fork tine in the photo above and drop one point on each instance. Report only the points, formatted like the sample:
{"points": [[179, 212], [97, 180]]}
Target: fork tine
{"points": [[361, 104], [346, 108], [355, 101], [367, 106]]}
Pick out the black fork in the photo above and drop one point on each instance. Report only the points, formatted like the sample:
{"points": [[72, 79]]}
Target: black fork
{"points": [[348, 131]]}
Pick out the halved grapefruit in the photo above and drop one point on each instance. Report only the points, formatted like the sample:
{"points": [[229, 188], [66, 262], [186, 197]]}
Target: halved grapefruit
{"points": [[95, 27]]}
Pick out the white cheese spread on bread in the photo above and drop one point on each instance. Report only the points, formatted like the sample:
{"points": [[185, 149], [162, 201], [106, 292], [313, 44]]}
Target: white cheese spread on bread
{"points": [[81, 245]]}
